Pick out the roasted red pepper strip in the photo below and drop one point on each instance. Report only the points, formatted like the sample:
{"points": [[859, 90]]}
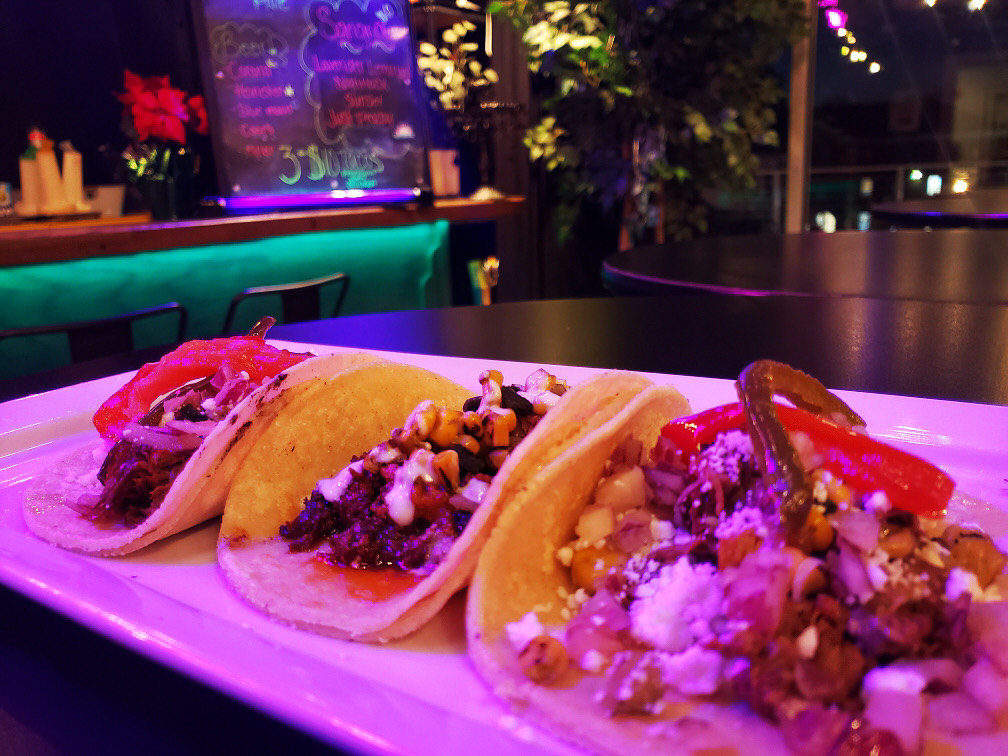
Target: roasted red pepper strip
{"points": [[691, 433], [911, 483], [190, 361]]}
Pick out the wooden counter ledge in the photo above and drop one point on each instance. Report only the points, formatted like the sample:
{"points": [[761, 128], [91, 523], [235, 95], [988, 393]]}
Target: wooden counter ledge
{"points": [[29, 243]]}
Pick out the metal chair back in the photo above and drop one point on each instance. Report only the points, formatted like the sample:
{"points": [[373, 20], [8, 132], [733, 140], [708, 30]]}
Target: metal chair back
{"points": [[101, 337], [299, 301]]}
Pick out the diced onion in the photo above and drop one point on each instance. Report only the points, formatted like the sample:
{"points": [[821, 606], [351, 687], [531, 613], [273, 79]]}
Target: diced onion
{"points": [[987, 686], [900, 712], [858, 528], [852, 572], [469, 497], [597, 627], [156, 438], [623, 490], [201, 428]]}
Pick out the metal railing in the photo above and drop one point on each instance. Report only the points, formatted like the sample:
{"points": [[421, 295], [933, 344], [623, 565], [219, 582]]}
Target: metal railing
{"points": [[847, 193]]}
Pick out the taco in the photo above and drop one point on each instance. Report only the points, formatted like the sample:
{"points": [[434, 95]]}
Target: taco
{"points": [[170, 442], [760, 578], [372, 526]]}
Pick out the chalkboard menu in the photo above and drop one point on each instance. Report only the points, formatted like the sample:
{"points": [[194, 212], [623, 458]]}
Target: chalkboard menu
{"points": [[312, 101]]}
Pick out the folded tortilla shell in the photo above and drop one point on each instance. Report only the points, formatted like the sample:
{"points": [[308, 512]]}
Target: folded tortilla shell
{"points": [[318, 438], [518, 572], [198, 492]]}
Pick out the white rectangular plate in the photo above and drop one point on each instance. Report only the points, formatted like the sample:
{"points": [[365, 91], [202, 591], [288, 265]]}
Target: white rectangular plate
{"points": [[170, 603]]}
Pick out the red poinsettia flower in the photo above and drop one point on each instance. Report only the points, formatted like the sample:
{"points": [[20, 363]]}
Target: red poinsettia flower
{"points": [[159, 111], [198, 114]]}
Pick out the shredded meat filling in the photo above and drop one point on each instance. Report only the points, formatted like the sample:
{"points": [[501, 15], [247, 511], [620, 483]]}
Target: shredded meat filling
{"points": [[360, 534], [136, 480]]}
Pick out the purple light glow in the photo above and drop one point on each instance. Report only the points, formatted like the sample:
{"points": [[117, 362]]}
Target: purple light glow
{"points": [[836, 18], [320, 199]]}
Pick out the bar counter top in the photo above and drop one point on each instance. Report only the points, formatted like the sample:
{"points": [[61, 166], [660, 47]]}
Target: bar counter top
{"points": [[55, 241]]}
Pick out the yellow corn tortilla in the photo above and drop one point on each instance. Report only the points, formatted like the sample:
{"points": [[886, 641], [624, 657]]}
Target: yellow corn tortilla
{"points": [[198, 492], [316, 437]]}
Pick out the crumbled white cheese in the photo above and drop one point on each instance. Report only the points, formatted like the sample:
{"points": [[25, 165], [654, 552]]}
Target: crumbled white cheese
{"points": [[521, 633], [741, 520], [962, 581], [695, 671], [725, 455], [673, 610], [88, 479], [877, 503]]}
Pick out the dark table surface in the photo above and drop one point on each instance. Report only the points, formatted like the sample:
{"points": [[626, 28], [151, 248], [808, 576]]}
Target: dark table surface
{"points": [[983, 209], [945, 265], [67, 690], [931, 349]]}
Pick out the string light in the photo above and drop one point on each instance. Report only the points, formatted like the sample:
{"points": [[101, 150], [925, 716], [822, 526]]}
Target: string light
{"points": [[837, 20], [971, 5]]}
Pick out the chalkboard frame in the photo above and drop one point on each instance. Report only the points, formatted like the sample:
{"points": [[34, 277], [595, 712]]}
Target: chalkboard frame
{"points": [[419, 192]]}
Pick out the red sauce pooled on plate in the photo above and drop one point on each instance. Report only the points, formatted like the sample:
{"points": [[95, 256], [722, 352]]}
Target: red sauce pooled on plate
{"points": [[371, 583]]}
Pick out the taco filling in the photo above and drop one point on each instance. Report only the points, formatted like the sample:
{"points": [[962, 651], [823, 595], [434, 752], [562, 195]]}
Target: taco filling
{"points": [[405, 502], [147, 453], [847, 621]]}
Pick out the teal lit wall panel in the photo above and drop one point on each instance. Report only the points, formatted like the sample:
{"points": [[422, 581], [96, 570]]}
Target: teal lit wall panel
{"points": [[401, 268]]}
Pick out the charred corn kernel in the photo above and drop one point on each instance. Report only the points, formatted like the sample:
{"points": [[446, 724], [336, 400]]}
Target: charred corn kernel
{"points": [[819, 530], [544, 659], [590, 565], [420, 421], [446, 463], [447, 427], [898, 543], [469, 443], [838, 493], [472, 423], [495, 431], [491, 375], [509, 418], [496, 457]]}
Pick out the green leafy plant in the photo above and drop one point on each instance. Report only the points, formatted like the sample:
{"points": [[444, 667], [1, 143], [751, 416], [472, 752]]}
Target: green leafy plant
{"points": [[453, 70], [651, 103]]}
